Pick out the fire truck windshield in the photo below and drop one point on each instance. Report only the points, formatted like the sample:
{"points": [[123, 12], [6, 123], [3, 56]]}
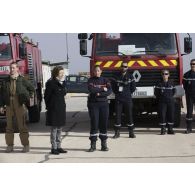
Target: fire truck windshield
{"points": [[135, 44], [5, 47]]}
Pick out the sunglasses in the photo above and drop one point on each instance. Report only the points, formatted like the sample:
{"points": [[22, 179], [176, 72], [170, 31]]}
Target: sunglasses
{"points": [[165, 74], [124, 66], [193, 64]]}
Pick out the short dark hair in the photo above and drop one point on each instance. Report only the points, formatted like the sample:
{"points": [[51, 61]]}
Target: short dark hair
{"points": [[192, 60], [55, 71], [124, 63]]}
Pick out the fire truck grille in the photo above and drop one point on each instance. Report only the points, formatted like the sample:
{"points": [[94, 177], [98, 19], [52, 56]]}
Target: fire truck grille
{"points": [[30, 68], [145, 78]]}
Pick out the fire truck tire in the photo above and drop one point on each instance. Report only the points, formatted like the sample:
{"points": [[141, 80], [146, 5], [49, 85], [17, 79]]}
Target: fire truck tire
{"points": [[177, 114], [34, 114]]}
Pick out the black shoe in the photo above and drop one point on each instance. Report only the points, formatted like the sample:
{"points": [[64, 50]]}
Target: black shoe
{"points": [[188, 131], [189, 127], [117, 134], [163, 131], [54, 151], [93, 146], [60, 150], [104, 146], [131, 134], [91, 149], [171, 132]]}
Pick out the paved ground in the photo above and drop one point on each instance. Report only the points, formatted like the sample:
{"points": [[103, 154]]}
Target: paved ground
{"points": [[149, 146]]}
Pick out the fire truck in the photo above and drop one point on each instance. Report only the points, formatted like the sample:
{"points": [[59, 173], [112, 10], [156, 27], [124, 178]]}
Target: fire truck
{"points": [[13, 48], [147, 54]]}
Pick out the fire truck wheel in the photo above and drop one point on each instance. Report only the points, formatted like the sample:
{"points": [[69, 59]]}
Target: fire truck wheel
{"points": [[34, 114]]}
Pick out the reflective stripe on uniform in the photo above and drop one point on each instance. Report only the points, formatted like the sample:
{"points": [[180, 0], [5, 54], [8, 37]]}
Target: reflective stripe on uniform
{"points": [[171, 123], [117, 125], [162, 124], [130, 125], [189, 79], [103, 134], [129, 81], [189, 119], [93, 135]]}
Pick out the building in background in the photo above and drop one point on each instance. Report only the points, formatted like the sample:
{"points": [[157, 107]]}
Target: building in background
{"points": [[46, 68]]}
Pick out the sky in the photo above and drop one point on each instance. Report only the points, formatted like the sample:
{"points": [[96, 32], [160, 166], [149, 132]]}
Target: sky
{"points": [[54, 49]]}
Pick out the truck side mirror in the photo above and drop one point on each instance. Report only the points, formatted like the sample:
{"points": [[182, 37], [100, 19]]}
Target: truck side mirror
{"points": [[22, 50], [83, 47], [82, 36], [188, 45]]}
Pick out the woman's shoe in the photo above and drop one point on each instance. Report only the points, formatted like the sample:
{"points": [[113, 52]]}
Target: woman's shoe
{"points": [[60, 150], [54, 151]]}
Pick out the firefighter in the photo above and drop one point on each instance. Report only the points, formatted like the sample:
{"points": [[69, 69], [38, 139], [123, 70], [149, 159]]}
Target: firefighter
{"points": [[189, 86], [99, 88], [164, 92], [15, 93], [123, 88]]}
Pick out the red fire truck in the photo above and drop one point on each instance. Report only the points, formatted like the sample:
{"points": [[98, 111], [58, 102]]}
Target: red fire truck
{"points": [[146, 54], [14, 49]]}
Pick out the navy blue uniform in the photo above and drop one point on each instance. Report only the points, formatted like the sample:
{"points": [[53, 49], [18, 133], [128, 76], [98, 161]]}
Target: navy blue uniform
{"points": [[98, 106], [189, 86], [164, 92], [123, 88]]}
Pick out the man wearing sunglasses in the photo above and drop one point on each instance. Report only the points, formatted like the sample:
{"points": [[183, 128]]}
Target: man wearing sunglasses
{"points": [[123, 88], [164, 92], [189, 86]]}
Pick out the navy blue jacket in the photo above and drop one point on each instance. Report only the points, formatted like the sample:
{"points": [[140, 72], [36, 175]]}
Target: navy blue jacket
{"points": [[96, 89], [189, 83], [164, 91], [124, 86]]}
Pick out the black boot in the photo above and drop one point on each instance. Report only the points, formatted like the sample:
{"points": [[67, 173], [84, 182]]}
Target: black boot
{"points": [[189, 127], [93, 146], [131, 132], [117, 134], [104, 145], [170, 130], [163, 130], [54, 151], [60, 150]]}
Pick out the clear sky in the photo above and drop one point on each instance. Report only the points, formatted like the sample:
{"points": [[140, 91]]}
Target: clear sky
{"points": [[53, 47]]}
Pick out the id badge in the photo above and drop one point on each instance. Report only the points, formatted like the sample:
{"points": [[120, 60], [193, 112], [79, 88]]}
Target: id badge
{"points": [[120, 88]]}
